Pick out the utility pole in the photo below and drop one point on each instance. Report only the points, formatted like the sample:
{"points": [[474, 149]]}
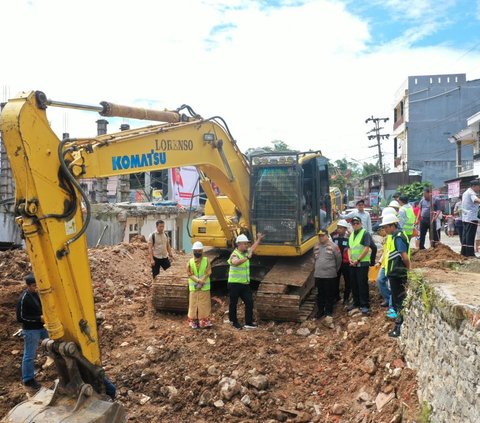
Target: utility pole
{"points": [[375, 134]]}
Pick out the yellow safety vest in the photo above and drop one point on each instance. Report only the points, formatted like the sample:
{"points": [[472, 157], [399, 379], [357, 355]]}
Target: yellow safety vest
{"points": [[356, 249], [395, 266], [199, 273], [240, 273], [409, 222], [385, 252]]}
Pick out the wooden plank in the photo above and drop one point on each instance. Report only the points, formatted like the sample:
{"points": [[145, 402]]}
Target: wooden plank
{"points": [[271, 288], [292, 271]]}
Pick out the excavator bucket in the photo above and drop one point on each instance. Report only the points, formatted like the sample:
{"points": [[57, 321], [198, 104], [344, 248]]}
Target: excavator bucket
{"points": [[46, 406]]}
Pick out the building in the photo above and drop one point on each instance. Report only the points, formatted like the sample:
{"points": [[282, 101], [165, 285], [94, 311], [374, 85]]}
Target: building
{"points": [[428, 110], [370, 185]]}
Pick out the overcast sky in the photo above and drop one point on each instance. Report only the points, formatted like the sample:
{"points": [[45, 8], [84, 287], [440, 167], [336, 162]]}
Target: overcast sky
{"points": [[306, 72]]}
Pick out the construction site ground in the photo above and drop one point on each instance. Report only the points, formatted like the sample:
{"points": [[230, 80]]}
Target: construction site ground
{"points": [[165, 372]]}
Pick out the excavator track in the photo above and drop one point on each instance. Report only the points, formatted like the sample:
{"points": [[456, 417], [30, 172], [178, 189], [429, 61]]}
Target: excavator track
{"points": [[286, 291]]}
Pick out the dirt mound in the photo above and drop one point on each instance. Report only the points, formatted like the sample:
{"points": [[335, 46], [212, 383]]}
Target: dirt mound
{"points": [[437, 257], [281, 372]]}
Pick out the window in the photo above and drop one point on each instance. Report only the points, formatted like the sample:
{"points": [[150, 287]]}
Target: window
{"points": [[395, 148], [401, 108]]}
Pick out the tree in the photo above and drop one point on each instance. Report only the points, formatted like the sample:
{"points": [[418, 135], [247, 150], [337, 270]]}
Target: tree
{"points": [[414, 191], [279, 145]]}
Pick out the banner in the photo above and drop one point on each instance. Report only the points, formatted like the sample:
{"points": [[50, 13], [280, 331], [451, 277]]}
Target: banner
{"points": [[182, 184], [454, 189]]}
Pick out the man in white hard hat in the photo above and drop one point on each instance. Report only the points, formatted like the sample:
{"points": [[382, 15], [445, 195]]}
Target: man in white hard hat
{"points": [[397, 267], [239, 280], [340, 237], [395, 204], [199, 303]]}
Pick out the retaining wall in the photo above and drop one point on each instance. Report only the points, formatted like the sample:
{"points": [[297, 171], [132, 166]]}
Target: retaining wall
{"points": [[441, 341]]}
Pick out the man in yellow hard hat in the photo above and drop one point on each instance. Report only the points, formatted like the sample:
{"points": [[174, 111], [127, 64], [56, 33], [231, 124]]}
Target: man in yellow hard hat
{"points": [[239, 280]]}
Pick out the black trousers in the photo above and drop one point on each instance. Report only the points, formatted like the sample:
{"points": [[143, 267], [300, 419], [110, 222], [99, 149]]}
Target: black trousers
{"points": [[468, 239], [347, 290], [164, 263], [359, 284], [373, 253], [326, 294], [424, 228], [397, 287], [244, 292]]}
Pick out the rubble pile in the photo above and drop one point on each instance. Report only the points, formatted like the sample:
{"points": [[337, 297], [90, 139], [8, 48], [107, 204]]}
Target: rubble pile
{"points": [[281, 372], [439, 257]]}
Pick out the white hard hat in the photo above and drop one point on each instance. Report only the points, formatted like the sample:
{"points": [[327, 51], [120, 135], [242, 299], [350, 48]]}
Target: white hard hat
{"points": [[389, 219], [197, 246], [241, 238], [394, 203], [343, 223], [387, 211]]}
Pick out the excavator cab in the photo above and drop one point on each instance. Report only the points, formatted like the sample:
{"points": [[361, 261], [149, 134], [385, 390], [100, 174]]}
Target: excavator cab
{"points": [[290, 200]]}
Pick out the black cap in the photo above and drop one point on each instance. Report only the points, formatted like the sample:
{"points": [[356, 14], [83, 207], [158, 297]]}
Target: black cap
{"points": [[30, 279], [403, 199], [474, 182], [426, 189], [397, 195], [362, 201]]}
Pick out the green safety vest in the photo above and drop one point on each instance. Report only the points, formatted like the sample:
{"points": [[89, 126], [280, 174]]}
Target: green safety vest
{"points": [[240, 273], [199, 273], [395, 266], [409, 222], [356, 249]]}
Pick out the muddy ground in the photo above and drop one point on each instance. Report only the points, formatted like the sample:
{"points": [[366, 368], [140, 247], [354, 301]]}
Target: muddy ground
{"points": [[166, 372]]}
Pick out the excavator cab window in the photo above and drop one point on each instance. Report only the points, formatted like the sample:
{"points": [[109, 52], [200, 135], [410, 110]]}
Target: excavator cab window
{"points": [[323, 193], [309, 205]]}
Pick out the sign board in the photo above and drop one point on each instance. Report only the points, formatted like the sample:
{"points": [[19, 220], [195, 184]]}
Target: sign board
{"points": [[182, 185], [454, 189], [374, 198]]}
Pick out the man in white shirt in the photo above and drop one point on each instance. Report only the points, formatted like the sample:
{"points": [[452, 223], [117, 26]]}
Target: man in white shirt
{"points": [[470, 205]]}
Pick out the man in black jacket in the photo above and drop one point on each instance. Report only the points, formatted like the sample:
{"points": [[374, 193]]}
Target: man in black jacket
{"points": [[29, 314]]}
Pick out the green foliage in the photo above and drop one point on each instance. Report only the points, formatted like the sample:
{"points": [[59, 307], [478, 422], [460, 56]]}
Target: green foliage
{"points": [[425, 415], [414, 191], [279, 146], [418, 288]]}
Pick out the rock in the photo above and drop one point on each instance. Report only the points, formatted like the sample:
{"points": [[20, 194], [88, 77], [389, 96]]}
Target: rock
{"points": [[228, 388], [338, 409], [387, 389], [219, 404], [236, 374], [289, 331], [383, 399], [100, 316], [328, 322], [143, 399], [205, 398], [107, 327], [259, 382], [364, 396], [246, 400], [303, 332], [352, 326], [130, 393], [213, 371], [211, 341], [109, 283], [397, 418], [15, 352], [300, 406], [368, 366], [303, 417], [396, 373], [318, 410], [169, 391], [398, 363], [237, 409], [124, 344]]}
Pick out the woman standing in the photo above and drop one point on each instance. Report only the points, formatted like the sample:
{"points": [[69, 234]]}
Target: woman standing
{"points": [[199, 303]]}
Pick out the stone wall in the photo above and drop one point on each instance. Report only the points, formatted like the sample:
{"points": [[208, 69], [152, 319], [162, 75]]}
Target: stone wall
{"points": [[441, 341]]}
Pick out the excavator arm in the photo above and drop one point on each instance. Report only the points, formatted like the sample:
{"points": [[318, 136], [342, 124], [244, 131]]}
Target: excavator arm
{"points": [[49, 209]]}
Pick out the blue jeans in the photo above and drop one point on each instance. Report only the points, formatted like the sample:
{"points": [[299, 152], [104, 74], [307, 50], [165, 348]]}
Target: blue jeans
{"points": [[382, 282], [31, 338]]}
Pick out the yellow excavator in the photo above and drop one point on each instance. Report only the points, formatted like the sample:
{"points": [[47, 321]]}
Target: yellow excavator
{"points": [[284, 195]]}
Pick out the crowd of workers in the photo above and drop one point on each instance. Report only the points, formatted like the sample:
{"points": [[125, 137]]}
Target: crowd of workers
{"points": [[347, 254]]}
